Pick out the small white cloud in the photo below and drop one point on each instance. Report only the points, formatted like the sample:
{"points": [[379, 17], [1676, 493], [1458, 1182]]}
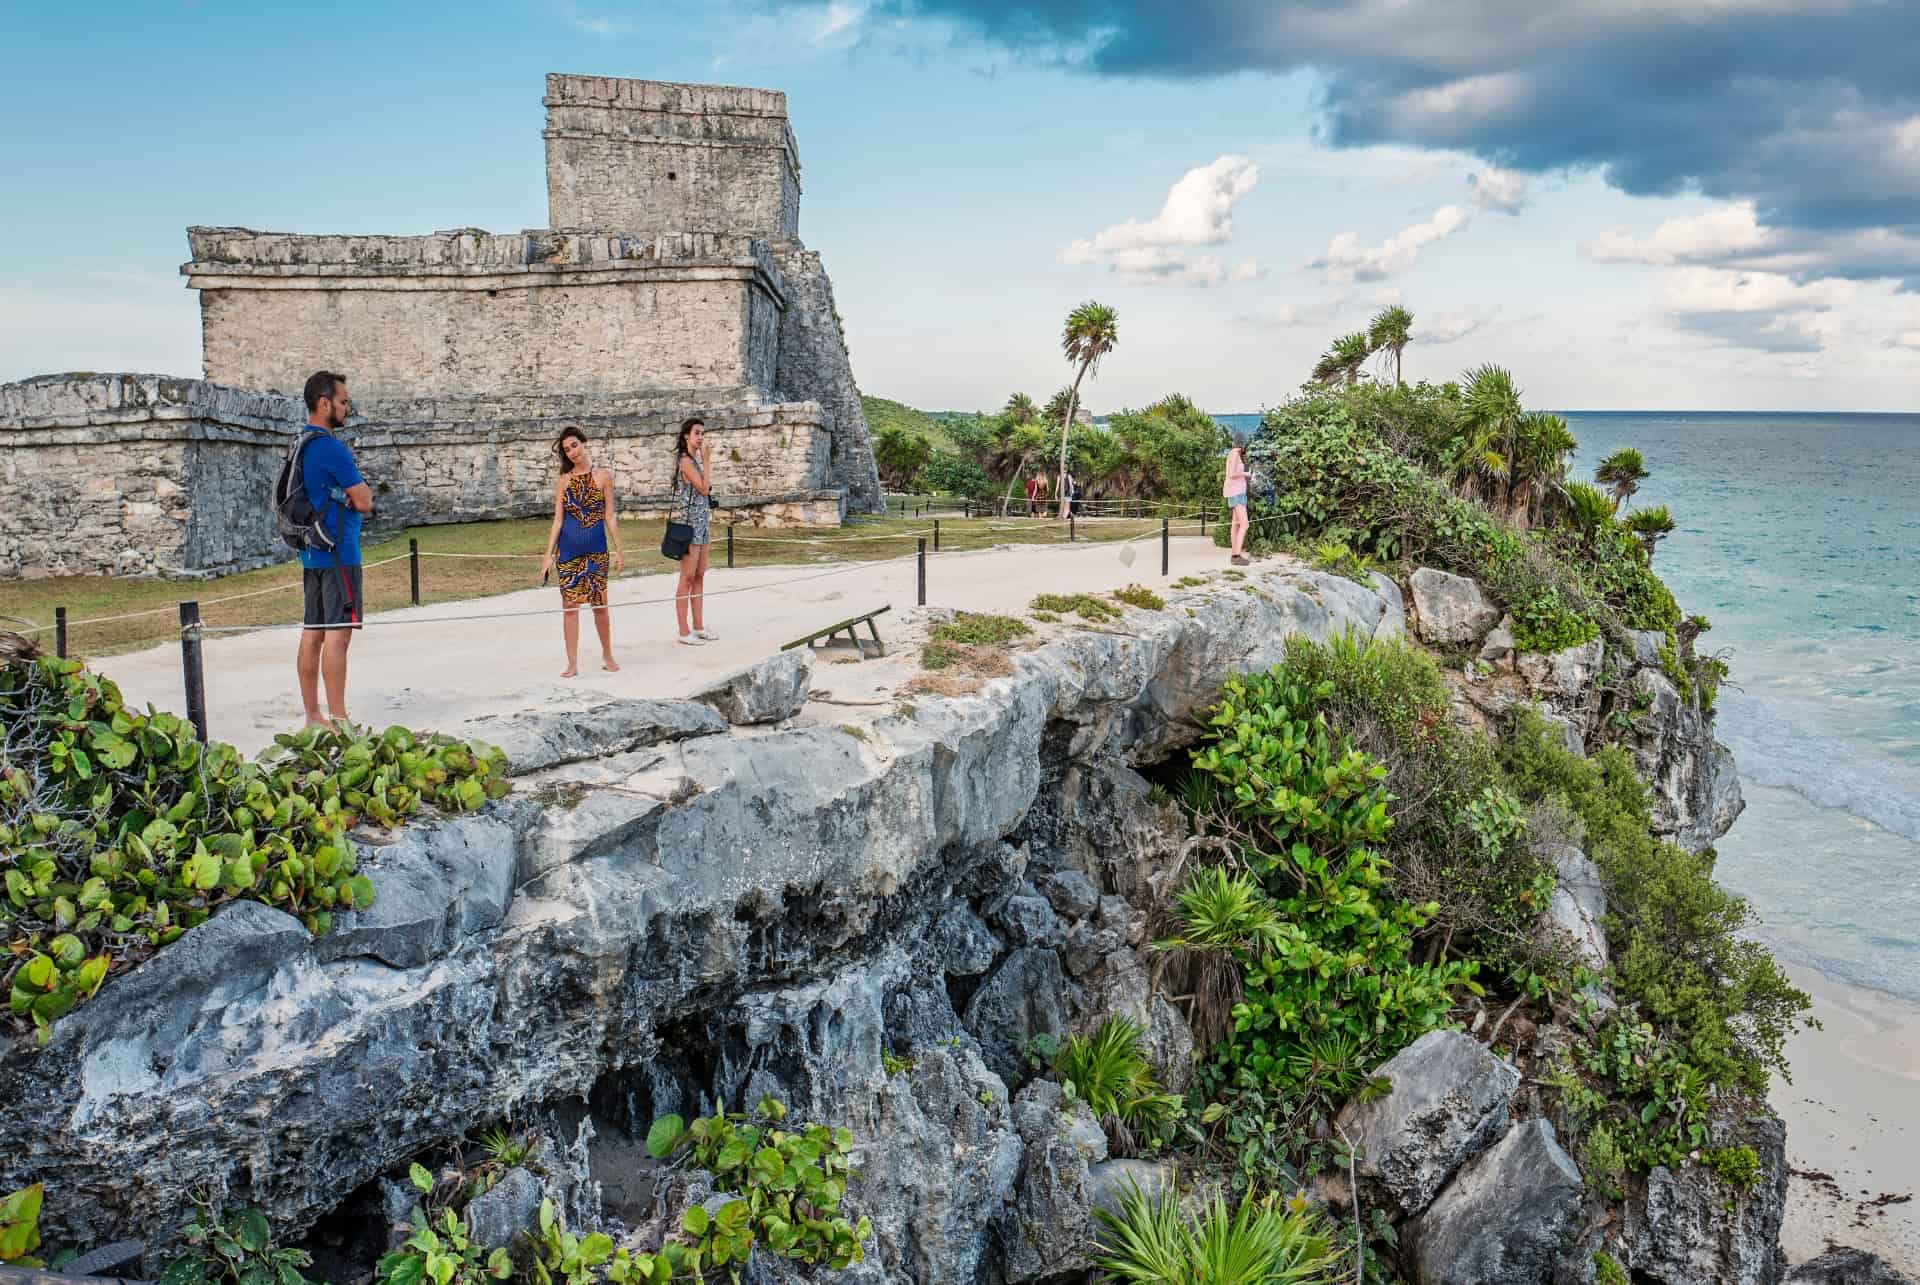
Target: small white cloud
{"points": [[1198, 211], [1498, 189], [1448, 327], [1347, 259], [839, 17], [1715, 235]]}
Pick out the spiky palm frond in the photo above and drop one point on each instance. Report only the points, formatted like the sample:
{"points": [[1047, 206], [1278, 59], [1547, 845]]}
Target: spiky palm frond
{"points": [[1153, 1241], [1621, 473], [1020, 409], [1589, 511], [1390, 331], [1223, 909], [1649, 526]]}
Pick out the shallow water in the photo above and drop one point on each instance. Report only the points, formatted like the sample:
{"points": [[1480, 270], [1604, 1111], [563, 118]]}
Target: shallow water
{"points": [[1797, 536]]}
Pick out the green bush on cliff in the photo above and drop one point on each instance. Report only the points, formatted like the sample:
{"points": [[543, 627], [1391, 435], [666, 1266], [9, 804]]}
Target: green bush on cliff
{"points": [[1679, 953], [119, 831]]}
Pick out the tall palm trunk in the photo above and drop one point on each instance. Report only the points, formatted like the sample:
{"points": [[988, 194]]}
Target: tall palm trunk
{"points": [[1066, 426]]}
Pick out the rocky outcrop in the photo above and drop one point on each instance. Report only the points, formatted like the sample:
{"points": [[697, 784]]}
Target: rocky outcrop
{"points": [[1448, 1102], [767, 691], [1685, 1227], [814, 366], [1450, 610], [1847, 1267], [1504, 1219], [683, 925], [537, 740], [1578, 908]]}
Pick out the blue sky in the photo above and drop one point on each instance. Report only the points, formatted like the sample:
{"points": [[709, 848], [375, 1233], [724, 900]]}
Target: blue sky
{"points": [[1695, 204]]}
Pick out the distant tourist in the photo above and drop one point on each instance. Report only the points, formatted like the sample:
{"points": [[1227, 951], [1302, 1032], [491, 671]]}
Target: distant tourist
{"points": [[1033, 493], [693, 505], [1041, 493], [1235, 491], [586, 522], [1069, 493], [331, 578]]}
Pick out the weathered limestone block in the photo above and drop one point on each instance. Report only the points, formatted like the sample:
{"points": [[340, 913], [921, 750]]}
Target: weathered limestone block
{"points": [[1687, 1227], [532, 741], [1449, 1101], [1577, 908], [1050, 1226], [1450, 610], [1563, 676], [1498, 648], [766, 691], [1847, 1267], [1504, 1218]]}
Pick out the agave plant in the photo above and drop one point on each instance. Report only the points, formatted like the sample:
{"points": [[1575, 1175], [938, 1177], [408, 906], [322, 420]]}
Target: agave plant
{"points": [[1152, 1241], [1649, 526], [1621, 473]]}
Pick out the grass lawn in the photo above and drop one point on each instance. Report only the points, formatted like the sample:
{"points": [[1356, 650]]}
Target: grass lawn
{"points": [[275, 591]]}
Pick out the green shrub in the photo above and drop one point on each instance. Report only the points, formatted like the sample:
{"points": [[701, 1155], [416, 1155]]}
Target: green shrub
{"points": [[237, 1249], [20, 1226], [1606, 1271], [119, 831], [790, 1184], [1738, 1166], [1110, 1074], [1153, 1241], [1637, 1086], [1084, 605], [973, 628], [1140, 596], [1335, 557], [1604, 1168], [1678, 940]]}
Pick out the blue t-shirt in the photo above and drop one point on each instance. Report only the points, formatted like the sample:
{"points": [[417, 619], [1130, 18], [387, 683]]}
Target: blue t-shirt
{"points": [[329, 469]]}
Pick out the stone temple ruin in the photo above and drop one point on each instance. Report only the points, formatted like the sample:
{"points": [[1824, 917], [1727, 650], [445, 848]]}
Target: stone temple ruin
{"points": [[672, 282]]}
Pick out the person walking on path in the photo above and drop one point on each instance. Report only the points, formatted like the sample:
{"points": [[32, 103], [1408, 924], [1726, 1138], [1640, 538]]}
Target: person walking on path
{"points": [[330, 579], [586, 524], [1069, 494], [1033, 491], [693, 502], [1235, 491], [1040, 490]]}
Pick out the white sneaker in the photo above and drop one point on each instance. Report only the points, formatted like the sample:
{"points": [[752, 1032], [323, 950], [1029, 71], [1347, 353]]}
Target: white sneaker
{"points": [[691, 640], [707, 634]]}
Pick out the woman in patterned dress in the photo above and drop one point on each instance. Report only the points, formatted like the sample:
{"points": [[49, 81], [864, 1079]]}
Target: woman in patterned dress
{"points": [[586, 523], [692, 504]]}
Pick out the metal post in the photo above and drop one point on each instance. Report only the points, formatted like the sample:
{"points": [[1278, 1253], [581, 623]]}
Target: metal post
{"points": [[729, 546], [413, 568], [1203, 521], [60, 632], [923, 570], [936, 535], [190, 666], [1163, 546], [1070, 535]]}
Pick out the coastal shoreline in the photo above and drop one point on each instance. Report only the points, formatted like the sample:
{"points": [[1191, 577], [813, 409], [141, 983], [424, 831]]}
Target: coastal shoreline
{"points": [[1853, 1124]]}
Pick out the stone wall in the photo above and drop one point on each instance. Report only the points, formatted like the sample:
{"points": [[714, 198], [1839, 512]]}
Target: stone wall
{"points": [[648, 156], [137, 474], [462, 313], [148, 475], [814, 365]]}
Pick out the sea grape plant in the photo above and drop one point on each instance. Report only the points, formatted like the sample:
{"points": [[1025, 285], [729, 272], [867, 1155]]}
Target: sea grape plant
{"points": [[119, 830]]}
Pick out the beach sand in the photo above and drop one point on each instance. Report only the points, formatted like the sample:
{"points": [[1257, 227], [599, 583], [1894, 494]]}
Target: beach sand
{"points": [[1853, 1125]]}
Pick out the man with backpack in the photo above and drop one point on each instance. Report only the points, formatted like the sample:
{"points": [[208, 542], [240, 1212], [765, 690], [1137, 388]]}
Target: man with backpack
{"points": [[320, 471]]}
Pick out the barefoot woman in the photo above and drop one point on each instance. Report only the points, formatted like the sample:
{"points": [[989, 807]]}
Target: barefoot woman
{"points": [[693, 504], [585, 521]]}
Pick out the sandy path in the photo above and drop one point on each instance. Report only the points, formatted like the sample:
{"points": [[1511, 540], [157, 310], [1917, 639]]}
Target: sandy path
{"points": [[425, 668]]}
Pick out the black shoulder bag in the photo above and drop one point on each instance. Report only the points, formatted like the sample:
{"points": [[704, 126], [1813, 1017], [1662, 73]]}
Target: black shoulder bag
{"points": [[679, 535]]}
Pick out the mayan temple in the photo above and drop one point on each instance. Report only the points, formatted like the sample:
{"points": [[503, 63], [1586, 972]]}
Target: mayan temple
{"points": [[671, 282]]}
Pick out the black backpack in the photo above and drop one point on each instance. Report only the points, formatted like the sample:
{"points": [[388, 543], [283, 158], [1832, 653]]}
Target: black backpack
{"points": [[299, 524]]}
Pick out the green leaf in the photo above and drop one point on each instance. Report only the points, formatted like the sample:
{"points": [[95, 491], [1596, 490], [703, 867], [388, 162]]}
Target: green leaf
{"points": [[696, 1221], [418, 1175], [251, 1230], [665, 1134]]}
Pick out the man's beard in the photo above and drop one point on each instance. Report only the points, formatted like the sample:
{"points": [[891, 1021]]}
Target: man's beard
{"points": [[335, 419]]}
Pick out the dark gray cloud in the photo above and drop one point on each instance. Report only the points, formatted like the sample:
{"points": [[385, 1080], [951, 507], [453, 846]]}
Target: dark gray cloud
{"points": [[1810, 109]]}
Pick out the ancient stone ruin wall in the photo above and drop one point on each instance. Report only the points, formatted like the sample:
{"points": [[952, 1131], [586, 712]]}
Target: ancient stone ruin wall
{"points": [[462, 314], [647, 156], [137, 474]]}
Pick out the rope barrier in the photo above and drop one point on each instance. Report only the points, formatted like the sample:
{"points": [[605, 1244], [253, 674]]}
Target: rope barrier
{"points": [[172, 608]]}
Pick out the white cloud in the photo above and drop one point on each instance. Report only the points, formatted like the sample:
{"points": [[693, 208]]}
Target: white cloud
{"points": [[839, 17], [1498, 189], [1710, 237], [1447, 327], [1347, 259], [1198, 211]]}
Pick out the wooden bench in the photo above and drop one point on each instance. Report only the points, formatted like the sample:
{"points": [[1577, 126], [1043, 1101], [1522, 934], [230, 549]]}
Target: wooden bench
{"points": [[848, 626]]}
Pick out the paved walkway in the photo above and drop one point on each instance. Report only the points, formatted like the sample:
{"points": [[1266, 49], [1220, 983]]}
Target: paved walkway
{"points": [[432, 667]]}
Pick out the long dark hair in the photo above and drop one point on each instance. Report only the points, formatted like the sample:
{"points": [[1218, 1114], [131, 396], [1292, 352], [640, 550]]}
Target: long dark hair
{"points": [[560, 446], [680, 442]]}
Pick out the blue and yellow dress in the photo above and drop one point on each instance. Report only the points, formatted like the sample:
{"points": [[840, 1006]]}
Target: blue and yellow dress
{"points": [[581, 553]]}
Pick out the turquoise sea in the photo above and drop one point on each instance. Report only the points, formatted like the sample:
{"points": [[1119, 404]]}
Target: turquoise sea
{"points": [[1798, 536]]}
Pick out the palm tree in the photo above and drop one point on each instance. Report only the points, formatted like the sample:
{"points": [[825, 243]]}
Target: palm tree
{"points": [[1651, 526], [1390, 331], [1490, 414], [1342, 362], [1057, 405], [1020, 409], [1621, 473], [1587, 509], [1539, 465], [1091, 332]]}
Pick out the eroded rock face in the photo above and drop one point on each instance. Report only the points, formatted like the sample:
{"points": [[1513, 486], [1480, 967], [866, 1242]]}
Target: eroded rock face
{"points": [[1504, 1218], [1847, 1267], [1687, 1227], [1449, 1101], [766, 691], [1450, 610], [690, 923], [1578, 907]]}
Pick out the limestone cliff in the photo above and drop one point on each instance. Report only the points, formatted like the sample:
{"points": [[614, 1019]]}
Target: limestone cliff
{"points": [[669, 916]]}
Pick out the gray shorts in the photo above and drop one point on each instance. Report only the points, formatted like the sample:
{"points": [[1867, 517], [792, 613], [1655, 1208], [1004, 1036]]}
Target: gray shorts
{"points": [[333, 596]]}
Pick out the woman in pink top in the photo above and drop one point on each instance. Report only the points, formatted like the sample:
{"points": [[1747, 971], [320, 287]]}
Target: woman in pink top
{"points": [[1235, 492]]}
